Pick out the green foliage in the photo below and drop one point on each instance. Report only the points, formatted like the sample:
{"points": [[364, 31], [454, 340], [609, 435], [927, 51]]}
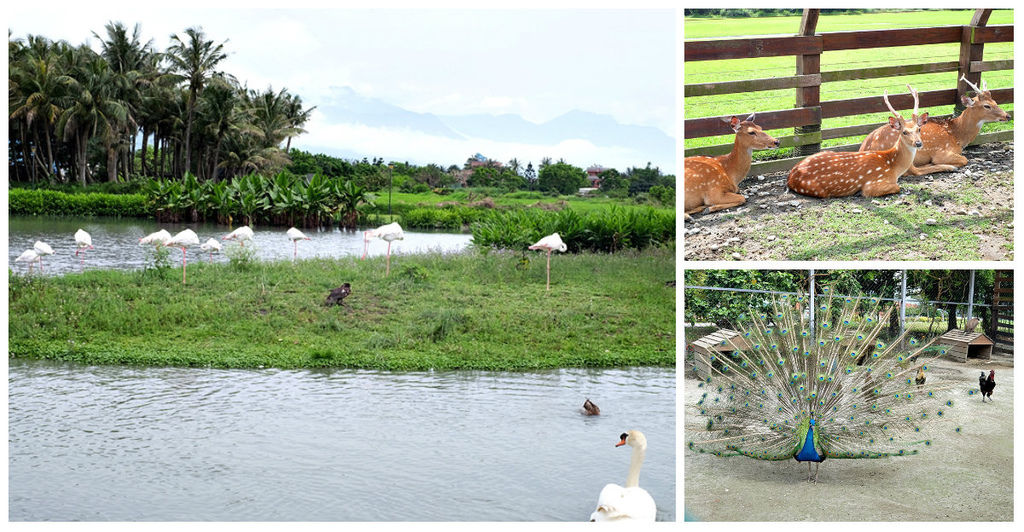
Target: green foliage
{"points": [[563, 178], [610, 230], [55, 203], [602, 311]]}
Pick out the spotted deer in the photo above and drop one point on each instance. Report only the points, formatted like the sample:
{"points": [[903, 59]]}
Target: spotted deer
{"points": [[712, 182], [945, 138], [829, 174]]}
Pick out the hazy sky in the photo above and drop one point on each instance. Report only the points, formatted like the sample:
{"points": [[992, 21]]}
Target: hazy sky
{"points": [[537, 64]]}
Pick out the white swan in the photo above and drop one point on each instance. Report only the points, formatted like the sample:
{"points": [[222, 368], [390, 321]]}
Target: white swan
{"points": [[618, 503]]}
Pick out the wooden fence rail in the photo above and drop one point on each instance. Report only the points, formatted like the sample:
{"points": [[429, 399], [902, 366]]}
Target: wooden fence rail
{"points": [[807, 115]]}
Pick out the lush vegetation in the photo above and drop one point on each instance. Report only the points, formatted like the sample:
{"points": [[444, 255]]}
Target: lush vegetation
{"points": [[467, 311], [767, 67], [723, 307], [75, 111], [56, 203], [610, 230]]}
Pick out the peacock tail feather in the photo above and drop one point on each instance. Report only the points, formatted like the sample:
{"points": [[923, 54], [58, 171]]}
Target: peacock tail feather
{"points": [[861, 392]]}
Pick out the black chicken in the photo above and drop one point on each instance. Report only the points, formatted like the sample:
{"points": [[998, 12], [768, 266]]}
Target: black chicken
{"points": [[987, 385], [338, 295]]}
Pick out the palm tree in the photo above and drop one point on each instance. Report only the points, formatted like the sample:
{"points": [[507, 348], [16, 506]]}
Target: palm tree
{"points": [[296, 117], [40, 85], [195, 58], [218, 108]]}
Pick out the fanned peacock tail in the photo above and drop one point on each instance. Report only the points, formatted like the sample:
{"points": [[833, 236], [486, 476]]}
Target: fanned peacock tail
{"points": [[861, 392]]}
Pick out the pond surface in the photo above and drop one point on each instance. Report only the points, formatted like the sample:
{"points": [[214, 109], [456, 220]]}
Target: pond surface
{"points": [[112, 443], [116, 242]]}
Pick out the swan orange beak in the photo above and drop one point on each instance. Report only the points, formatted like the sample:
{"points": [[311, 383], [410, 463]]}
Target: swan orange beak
{"points": [[621, 443]]}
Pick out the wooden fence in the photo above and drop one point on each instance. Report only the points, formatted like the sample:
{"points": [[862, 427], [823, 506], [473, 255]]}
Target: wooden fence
{"points": [[809, 111]]}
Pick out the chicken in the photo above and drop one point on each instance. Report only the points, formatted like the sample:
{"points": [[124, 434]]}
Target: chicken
{"points": [[920, 376], [338, 295], [987, 385]]}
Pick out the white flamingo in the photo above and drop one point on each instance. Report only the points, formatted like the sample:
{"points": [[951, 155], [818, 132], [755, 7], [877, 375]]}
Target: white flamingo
{"points": [[158, 238], [241, 235], [295, 235], [84, 241], [182, 240], [550, 243], [42, 249], [389, 233], [30, 256], [629, 502], [211, 246]]}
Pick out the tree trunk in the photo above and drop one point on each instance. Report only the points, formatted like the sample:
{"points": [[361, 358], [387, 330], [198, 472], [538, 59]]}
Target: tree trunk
{"points": [[82, 164], [111, 164], [142, 150], [188, 128]]}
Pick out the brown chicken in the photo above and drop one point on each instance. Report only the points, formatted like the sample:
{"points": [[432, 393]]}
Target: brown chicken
{"points": [[338, 295]]}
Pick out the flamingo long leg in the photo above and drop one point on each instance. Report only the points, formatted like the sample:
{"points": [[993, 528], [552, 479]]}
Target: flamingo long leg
{"points": [[549, 270]]}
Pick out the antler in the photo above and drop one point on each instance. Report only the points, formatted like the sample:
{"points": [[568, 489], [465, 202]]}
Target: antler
{"points": [[885, 96], [971, 85], [914, 92], [751, 117]]}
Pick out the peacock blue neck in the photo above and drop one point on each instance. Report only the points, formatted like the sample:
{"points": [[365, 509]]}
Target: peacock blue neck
{"points": [[807, 453]]}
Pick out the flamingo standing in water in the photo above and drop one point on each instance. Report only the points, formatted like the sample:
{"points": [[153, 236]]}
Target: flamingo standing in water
{"points": [[42, 248], [550, 243], [30, 256], [84, 242], [182, 240], [389, 233], [158, 238], [211, 245], [241, 235], [295, 235]]}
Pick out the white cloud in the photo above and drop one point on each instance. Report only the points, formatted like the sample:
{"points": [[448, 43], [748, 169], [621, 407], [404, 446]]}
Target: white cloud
{"points": [[420, 148]]}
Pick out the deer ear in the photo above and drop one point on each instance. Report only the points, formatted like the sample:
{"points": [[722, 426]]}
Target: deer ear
{"points": [[922, 119], [735, 123], [895, 124]]}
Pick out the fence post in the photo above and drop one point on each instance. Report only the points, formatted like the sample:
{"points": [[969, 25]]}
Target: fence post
{"points": [[969, 52], [903, 302], [970, 298], [808, 96]]}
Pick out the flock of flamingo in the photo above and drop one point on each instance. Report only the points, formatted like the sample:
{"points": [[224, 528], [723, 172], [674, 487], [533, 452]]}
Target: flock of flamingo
{"points": [[186, 238]]}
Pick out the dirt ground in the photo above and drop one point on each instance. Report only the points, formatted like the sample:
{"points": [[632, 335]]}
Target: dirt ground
{"points": [[961, 215], [962, 477]]}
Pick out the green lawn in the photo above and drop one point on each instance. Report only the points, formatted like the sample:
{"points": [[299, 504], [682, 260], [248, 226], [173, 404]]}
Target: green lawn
{"points": [[464, 311], [739, 69]]}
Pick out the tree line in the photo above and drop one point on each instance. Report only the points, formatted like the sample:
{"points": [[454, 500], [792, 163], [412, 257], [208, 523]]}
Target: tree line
{"points": [[78, 114], [923, 285], [129, 110]]}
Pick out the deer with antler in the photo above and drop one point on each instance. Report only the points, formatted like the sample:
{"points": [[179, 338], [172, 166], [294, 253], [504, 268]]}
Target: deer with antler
{"points": [[712, 183], [830, 174], [945, 138]]}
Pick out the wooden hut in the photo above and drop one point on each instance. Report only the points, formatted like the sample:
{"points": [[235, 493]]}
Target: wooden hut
{"points": [[961, 345], [722, 341]]}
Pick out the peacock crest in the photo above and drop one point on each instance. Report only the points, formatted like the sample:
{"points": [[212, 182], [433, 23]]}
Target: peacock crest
{"points": [[833, 389]]}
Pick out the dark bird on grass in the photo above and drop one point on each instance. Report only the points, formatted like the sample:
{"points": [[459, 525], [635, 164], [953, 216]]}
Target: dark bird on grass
{"points": [[920, 376], [590, 409], [338, 295], [971, 324], [987, 385]]}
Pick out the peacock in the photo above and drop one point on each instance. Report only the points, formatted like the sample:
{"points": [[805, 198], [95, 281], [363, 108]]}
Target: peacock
{"points": [[837, 391]]}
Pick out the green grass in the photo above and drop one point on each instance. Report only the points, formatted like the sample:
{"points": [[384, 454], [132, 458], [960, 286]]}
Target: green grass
{"points": [[514, 199], [739, 69], [465, 311]]}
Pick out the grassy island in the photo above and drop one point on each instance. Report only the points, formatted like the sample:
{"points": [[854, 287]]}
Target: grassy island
{"points": [[478, 311]]}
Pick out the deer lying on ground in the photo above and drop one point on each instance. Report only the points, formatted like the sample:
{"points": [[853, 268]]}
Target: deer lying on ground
{"points": [[830, 174], [945, 138], [712, 182]]}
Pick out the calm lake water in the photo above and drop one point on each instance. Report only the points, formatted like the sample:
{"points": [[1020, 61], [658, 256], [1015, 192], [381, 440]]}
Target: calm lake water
{"points": [[118, 443], [116, 242]]}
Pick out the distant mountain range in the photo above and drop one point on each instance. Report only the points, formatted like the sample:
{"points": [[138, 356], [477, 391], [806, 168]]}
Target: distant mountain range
{"points": [[347, 106]]}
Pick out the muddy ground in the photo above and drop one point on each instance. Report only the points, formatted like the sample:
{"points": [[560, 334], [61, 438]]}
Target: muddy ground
{"points": [[962, 477], [961, 215]]}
